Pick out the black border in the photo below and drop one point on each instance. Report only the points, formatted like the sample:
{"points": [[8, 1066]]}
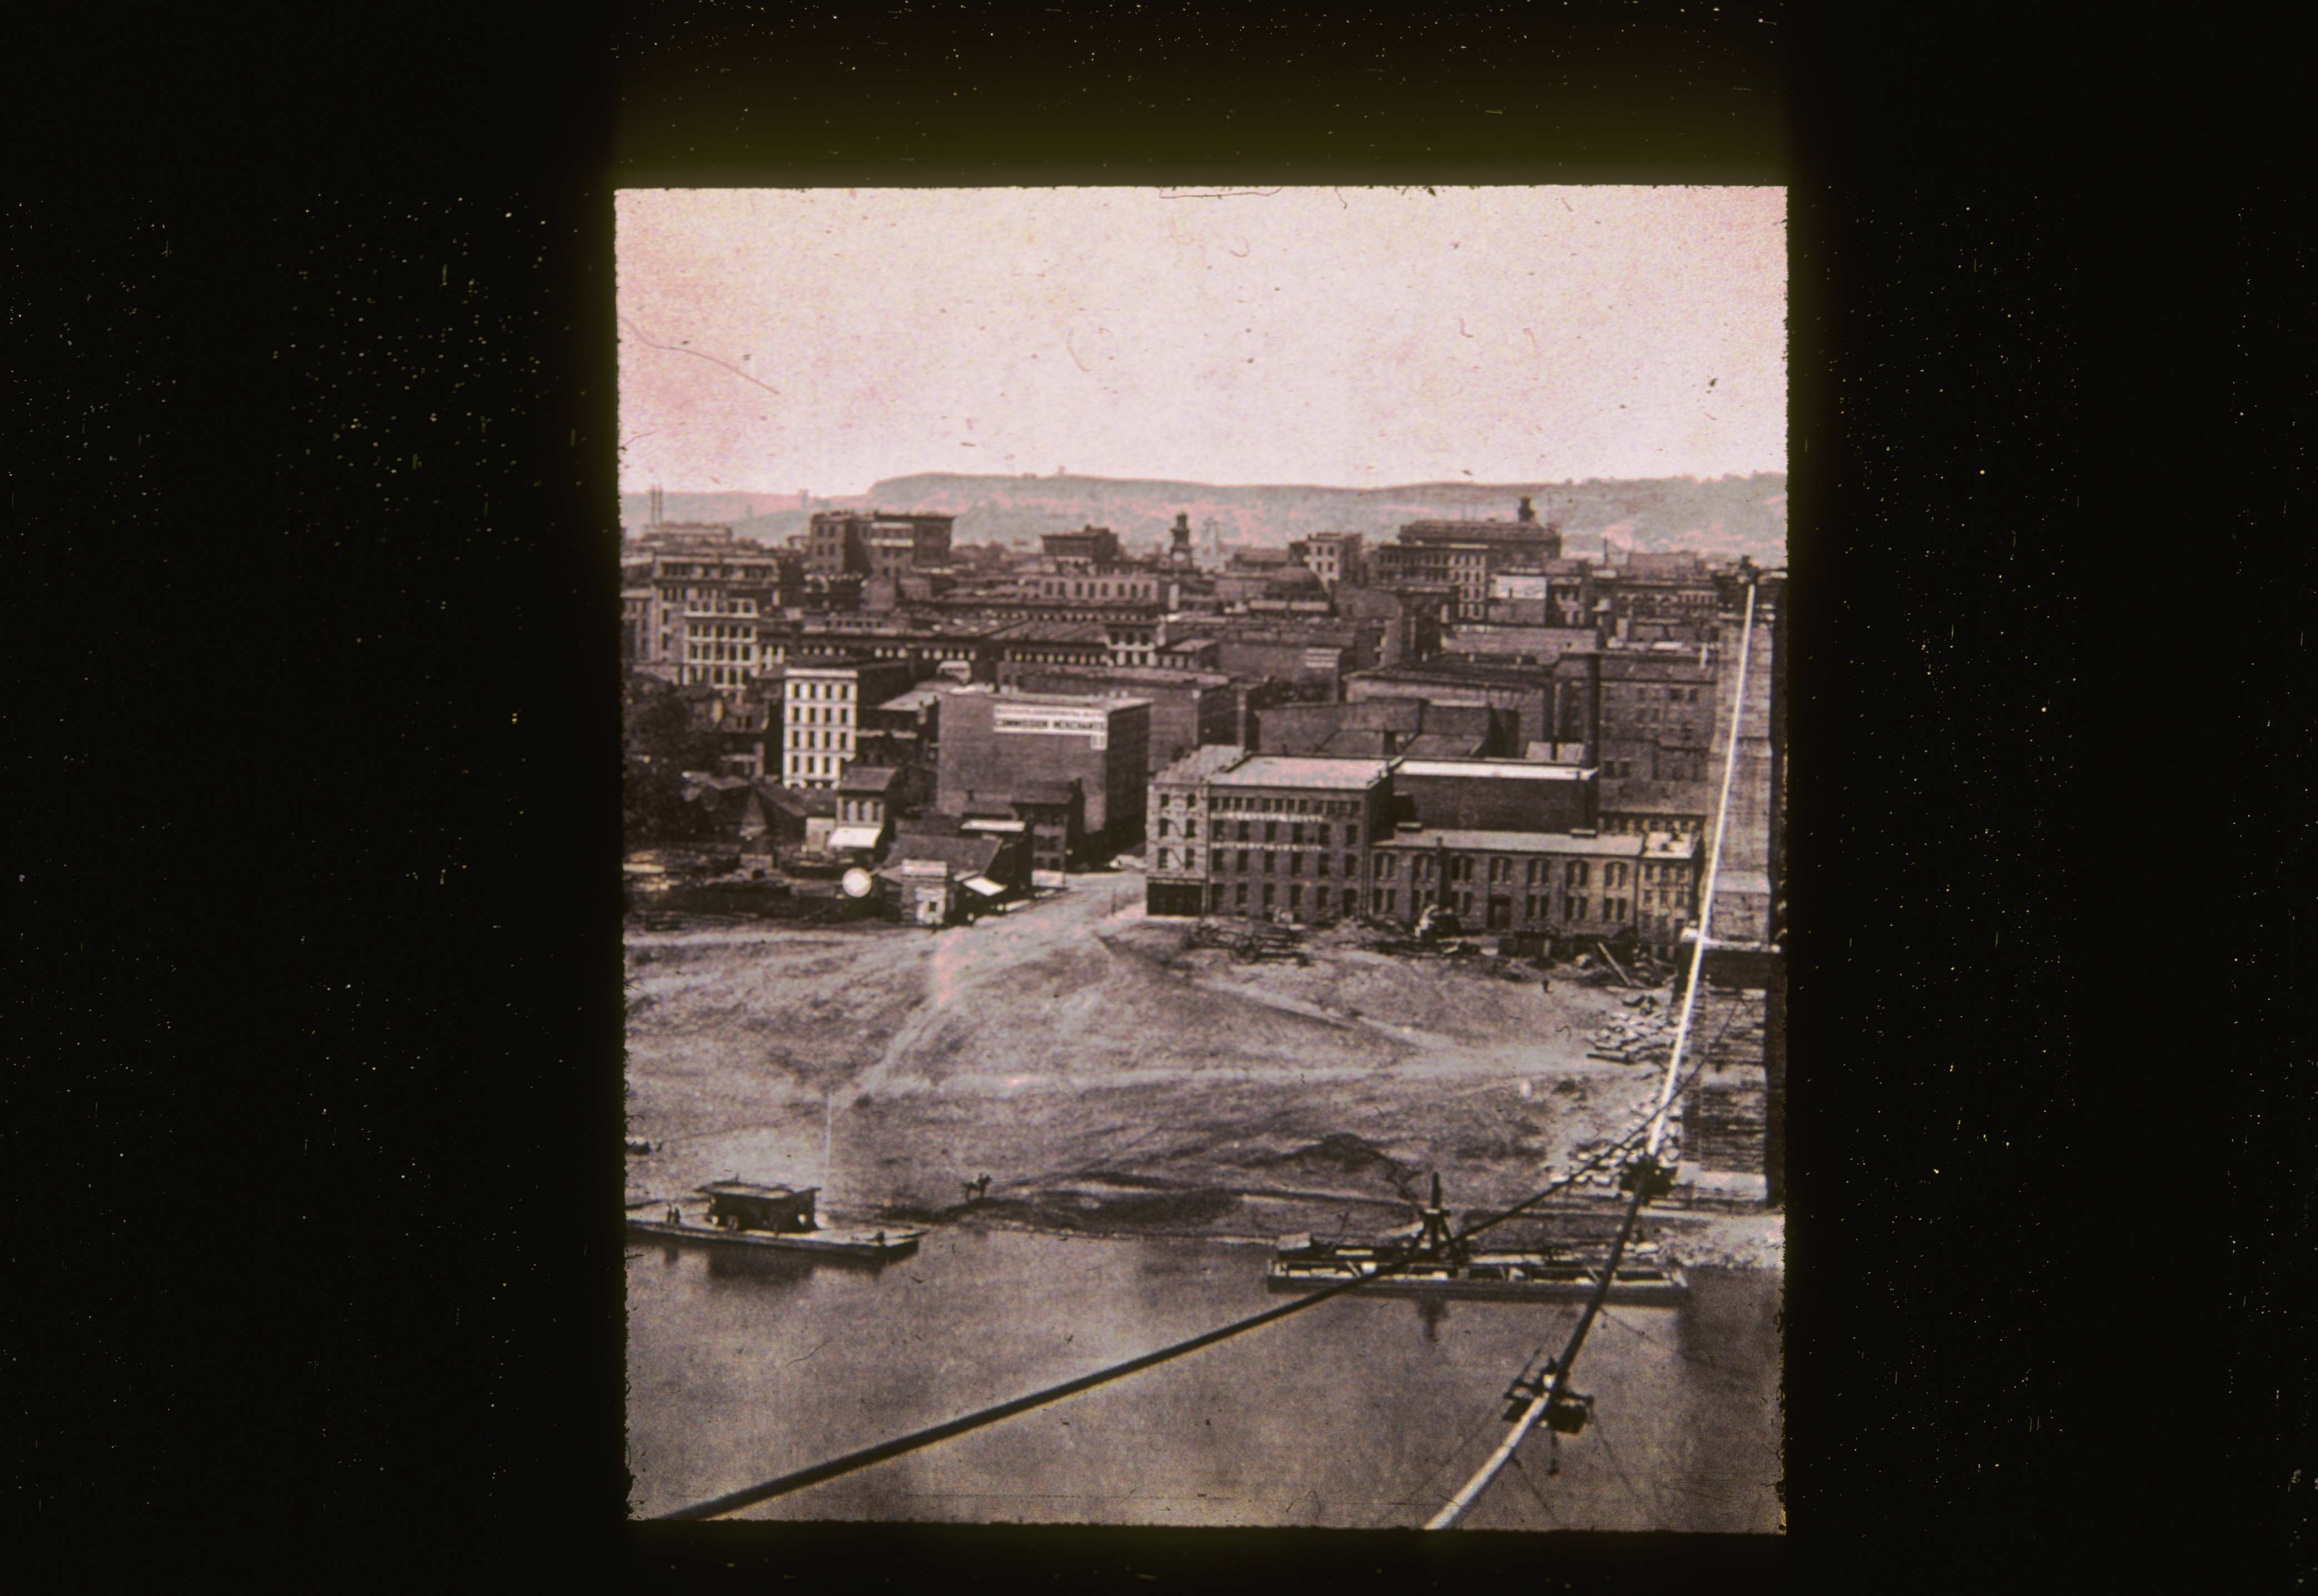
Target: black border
{"points": [[310, 760]]}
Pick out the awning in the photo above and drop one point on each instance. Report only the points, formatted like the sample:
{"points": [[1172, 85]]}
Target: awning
{"points": [[984, 885], [851, 837]]}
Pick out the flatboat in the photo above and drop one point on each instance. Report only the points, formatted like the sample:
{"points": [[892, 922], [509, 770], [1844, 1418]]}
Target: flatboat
{"points": [[770, 1218], [1438, 1265]]}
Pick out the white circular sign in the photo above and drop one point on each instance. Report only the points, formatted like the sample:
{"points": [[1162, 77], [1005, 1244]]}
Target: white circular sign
{"points": [[856, 882]]}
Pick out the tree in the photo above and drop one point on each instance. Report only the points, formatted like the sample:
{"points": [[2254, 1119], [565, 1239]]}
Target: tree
{"points": [[659, 744]]}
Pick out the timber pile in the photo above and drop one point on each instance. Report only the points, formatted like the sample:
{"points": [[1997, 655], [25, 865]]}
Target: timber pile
{"points": [[1644, 1037], [1252, 942], [1452, 948]]}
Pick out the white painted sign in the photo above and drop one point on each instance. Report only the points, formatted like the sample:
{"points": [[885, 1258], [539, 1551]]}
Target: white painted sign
{"points": [[1047, 720]]}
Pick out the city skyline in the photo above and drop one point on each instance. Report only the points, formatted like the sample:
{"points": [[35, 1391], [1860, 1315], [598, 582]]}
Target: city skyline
{"points": [[1380, 337]]}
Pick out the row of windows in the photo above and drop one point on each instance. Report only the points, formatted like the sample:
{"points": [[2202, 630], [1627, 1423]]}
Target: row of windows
{"points": [[819, 715], [817, 739], [1501, 872], [1261, 804], [1237, 861], [810, 689], [815, 765], [1298, 833], [1537, 907], [1322, 900]]}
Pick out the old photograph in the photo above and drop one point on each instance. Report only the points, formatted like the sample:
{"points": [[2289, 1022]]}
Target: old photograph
{"points": [[1203, 814]]}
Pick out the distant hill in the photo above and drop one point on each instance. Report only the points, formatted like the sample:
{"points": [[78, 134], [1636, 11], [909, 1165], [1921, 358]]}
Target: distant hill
{"points": [[1727, 514]]}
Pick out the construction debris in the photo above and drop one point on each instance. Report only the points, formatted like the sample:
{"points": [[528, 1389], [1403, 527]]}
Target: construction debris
{"points": [[1645, 1036]]}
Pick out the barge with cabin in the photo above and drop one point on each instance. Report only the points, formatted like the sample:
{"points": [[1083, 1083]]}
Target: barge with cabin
{"points": [[772, 1218]]}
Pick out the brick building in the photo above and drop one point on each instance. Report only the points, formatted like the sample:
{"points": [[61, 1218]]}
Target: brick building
{"points": [[1465, 555], [1312, 657], [1334, 557], [1083, 549], [995, 745], [1188, 708], [1384, 727], [1561, 887], [1176, 862], [1494, 794], [1524, 689], [692, 600], [874, 544], [927, 644], [1558, 592], [822, 700], [1285, 836]]}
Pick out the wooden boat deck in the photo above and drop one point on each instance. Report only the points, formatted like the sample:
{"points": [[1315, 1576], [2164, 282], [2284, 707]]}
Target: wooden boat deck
{"points": [[845, 1243], [1521, 1276]]}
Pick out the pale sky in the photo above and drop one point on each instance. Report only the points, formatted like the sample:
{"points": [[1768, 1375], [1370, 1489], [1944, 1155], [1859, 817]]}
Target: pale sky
{"points": [[823, 338]]}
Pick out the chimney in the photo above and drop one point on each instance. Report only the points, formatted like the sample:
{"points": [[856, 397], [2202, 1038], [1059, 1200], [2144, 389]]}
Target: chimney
{"points": [[1528, 515]]}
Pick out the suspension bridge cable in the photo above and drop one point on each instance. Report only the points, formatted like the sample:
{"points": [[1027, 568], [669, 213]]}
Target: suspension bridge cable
{"points": [[1545, 1399], [1391, 1263]]}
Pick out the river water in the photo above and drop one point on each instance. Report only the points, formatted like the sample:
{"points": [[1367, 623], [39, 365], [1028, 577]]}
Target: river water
{"points": [[1359, 1413]]}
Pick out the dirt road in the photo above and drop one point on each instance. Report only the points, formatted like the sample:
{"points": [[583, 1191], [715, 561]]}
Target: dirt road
{"points": [[1102, 1074]]}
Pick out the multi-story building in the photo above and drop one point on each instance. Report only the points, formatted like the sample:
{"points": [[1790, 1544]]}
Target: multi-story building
{"points": [[1188, 708], [1312, 656], [1176, 862], [692, 602], [1660, 591], [1088, 547], [1284, 836], [1334, 557], [822, 700], [875, 544], [1552, 885], [1384, 727], [995, 746], [1466, 555], [1494, 795], [1406, 621], [1104, 585], [1524, 689], [1498, 643], [1506, 845], [930, 645]]}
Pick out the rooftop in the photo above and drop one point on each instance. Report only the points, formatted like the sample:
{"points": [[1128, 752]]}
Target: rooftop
{"points": [[752, 1188], [1008, 697], [917, 698], [972, 854], [1442, 670], [1506, 769], [867, 778], [1289, 771], [1202, 762], [1518, 842], [1442, 745]]}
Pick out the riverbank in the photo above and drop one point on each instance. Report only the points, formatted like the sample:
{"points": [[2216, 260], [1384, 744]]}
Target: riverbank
{"points": [[1112, 1080]]}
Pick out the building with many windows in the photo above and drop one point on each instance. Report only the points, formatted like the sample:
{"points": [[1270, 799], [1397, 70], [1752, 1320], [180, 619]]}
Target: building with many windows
{"points": [[1466, 555], [1334, 557], [873, 543], [1555, 886], [822, 700], [1266, 835]]}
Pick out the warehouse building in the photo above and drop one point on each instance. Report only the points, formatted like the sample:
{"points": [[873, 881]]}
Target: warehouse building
{"points": [[996, 745]]}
